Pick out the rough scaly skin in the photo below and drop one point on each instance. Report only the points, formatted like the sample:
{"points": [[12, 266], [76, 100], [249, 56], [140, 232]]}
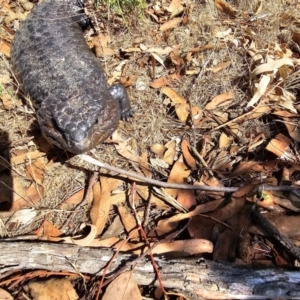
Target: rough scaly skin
{"points": [[52, 61]]}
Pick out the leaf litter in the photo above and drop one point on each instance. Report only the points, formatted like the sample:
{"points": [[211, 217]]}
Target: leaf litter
{"points": [[218, 108]]}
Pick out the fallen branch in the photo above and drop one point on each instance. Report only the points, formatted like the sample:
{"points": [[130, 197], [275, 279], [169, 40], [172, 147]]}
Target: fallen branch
{"points": [[194, 277]]}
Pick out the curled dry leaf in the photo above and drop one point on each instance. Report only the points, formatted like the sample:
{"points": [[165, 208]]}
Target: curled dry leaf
{"points": [[79, 240], [271, 66], [170, 224], [243, 167], [20, 197], [130, 50], [157, 57], [260, 89], [128, 81], [160, 82], [144, 165], [280, 146], [222, 34], [254, 53], [123, 287], [287, 100], [267, 200], [126, 151], [293, 130], [197, 113], [181, 105]]}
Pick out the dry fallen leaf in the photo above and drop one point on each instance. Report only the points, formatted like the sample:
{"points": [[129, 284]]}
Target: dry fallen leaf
{"points": [[225, 8], [4, 48], [49, 289], [7, 101], [101, 204], [162, 51], [271, 65], [224, 140], [170, 153], [4, 295], [49, 230], [23, 217], [128, 220], [175, 8], [220, 100], [177, 58], [185, 247], [279, 146], [170, 224], [293, 130], [159, 150], [117, 72], [100, 43], [35, 170], [181, 105], [221, 66], [260, 89], [19, 196], [124, 148], [186, 198], [123, 287], [190, 160], [170, 24], [165, 80], [77, 198], [85, 241], [179, 174]]}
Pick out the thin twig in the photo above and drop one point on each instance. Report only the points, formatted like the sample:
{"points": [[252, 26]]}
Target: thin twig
{"points": [[277, 234], [129, 174], [203, 162]]}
